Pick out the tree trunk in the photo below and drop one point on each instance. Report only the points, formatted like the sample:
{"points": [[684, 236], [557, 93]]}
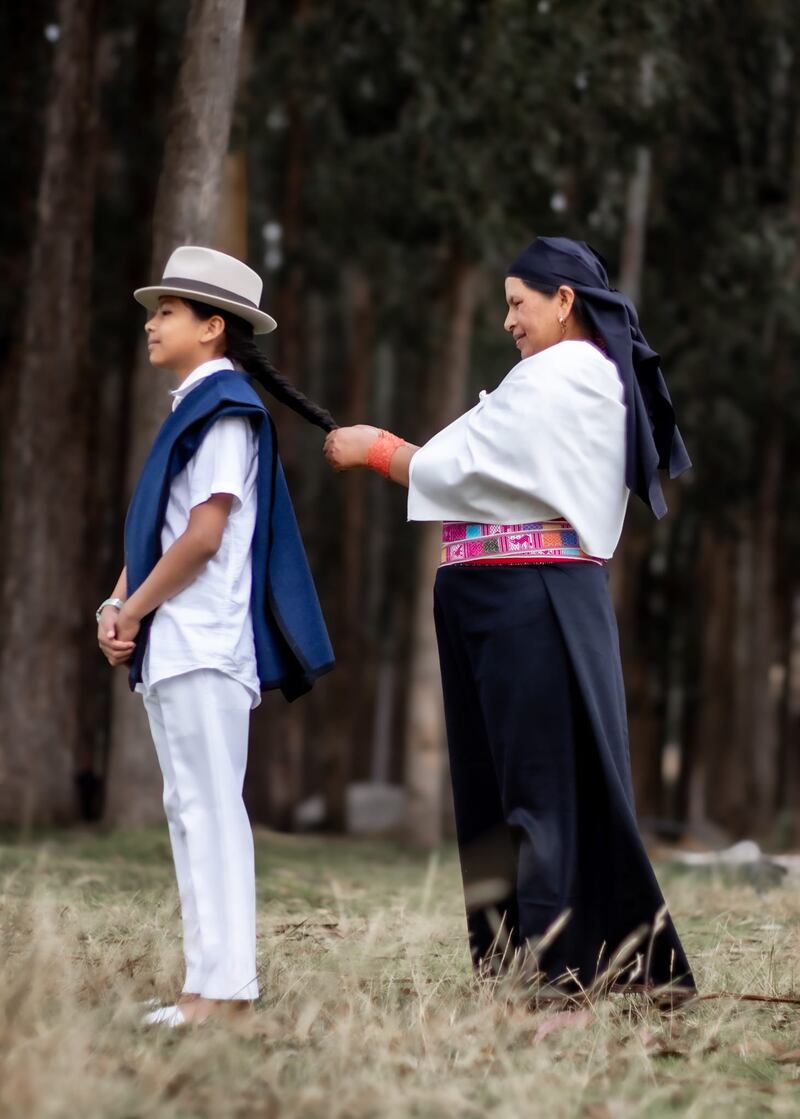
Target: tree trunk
{"points": [[638, 200], [630, 577], [425, 736], [290, 298], [26, 60], [186, 212], [232, 232], [424, 773], [274, 781], [348, 685], [765, 708], [762, 729], [792, 728], [628, 569], [48, 625], [714, 786]]}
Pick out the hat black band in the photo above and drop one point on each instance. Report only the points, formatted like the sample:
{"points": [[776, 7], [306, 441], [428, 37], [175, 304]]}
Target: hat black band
{"points": [[207, 289]]}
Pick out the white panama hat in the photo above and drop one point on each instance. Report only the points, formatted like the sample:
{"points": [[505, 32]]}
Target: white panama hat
{"points": [[194, 272]]}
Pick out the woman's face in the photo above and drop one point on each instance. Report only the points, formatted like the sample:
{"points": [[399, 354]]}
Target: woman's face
{"points": [[533, 318], [176, 339]]}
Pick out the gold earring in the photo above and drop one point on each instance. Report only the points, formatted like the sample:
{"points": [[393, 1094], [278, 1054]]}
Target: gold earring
{"points": [[563, 323]]}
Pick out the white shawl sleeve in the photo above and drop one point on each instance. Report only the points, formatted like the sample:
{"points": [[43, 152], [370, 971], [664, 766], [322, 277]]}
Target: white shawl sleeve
{"points": [[548, 442]]}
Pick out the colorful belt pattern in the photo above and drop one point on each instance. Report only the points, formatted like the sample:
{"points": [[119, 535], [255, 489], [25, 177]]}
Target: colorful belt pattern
{"points": [[553, 541]]}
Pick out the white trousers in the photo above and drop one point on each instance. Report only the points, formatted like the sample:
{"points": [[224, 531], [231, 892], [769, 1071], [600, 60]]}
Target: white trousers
{"points": [[200, 723]]}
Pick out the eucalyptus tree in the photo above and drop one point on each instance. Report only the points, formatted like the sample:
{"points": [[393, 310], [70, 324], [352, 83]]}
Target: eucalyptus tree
{"points": [[186, 212], [44, 594]]}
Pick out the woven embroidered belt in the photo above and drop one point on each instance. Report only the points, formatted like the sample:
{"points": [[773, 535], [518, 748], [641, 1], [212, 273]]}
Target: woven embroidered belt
{"points": [[553, 541]]}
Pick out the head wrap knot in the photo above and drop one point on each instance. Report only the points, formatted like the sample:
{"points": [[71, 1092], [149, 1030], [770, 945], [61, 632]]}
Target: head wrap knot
{"points": [[653, 441]]}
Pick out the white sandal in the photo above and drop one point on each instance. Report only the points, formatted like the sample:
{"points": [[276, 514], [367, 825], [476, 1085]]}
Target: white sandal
{"points": [[171, 1016]]}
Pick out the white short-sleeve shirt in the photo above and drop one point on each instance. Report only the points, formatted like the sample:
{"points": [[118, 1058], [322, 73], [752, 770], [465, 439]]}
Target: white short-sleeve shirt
{"points": [[208, 624]]}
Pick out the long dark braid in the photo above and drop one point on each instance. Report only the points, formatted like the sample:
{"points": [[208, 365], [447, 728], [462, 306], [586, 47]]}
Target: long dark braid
{"points": [[240, 347]]}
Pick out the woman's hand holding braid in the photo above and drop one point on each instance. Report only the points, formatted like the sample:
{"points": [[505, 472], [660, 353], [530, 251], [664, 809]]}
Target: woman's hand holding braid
{"points": [[362, 445], [347, 447]]}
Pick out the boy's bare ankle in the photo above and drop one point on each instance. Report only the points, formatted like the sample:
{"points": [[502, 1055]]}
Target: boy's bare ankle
{"points": [[200, 1009]]}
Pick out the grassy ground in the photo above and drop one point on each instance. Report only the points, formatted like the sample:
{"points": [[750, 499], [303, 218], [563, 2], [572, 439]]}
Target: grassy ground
{"points": [[368, 1008]]}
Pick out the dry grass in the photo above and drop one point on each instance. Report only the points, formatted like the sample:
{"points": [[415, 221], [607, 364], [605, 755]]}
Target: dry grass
{"points": [[368, 1006]]}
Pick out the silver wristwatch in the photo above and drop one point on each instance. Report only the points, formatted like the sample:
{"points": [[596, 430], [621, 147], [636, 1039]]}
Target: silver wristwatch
{"points": [[108, 602]]}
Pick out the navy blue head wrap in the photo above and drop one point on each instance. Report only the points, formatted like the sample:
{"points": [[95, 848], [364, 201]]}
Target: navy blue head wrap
{"points": [[653, 441]]}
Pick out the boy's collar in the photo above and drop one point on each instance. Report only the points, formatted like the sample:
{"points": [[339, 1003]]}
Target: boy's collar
{"points": [[216, 365]]}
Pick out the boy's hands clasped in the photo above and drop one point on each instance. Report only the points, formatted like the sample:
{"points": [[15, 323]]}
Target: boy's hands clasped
{"points": [[115, 636]]}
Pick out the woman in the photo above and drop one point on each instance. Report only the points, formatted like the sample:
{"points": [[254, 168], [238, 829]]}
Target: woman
{"points": [[531, 486]]}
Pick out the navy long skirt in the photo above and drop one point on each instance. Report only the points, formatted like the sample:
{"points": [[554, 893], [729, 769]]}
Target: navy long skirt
{"points": [[538, 742]]}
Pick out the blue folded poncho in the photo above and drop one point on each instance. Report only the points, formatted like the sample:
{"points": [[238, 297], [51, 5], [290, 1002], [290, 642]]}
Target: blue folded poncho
{"points": [[291, 641]]}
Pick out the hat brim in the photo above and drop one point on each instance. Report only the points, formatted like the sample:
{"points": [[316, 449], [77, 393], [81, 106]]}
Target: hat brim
{"points": [[262, 323]]}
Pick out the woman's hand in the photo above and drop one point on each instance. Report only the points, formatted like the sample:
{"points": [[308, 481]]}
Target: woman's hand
{"points": [[347, 447], [116, 649]]}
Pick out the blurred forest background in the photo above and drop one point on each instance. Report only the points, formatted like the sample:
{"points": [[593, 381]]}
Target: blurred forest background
{"points": [[380, 163]]}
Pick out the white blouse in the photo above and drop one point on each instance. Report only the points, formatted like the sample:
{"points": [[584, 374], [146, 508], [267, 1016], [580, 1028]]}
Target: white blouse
{"points": [[548, 442]]}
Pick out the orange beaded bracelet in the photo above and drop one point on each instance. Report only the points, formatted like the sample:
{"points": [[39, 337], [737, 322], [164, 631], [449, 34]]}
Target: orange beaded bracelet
{"points": [[381, 450]]}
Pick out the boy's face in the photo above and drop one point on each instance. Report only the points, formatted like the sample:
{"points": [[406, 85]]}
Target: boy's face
{"points": [[177, 340]]}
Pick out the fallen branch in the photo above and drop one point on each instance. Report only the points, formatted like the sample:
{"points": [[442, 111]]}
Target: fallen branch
{"points": [[747, 998]]}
